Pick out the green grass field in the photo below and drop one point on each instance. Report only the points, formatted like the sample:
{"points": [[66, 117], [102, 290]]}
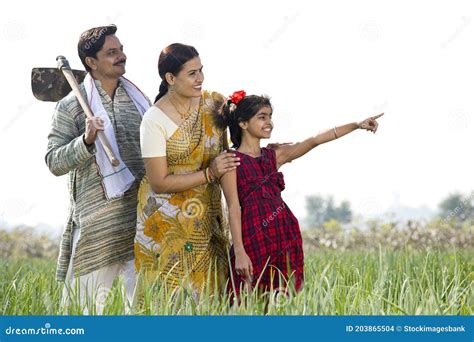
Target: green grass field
{"points": [[336, 283]]}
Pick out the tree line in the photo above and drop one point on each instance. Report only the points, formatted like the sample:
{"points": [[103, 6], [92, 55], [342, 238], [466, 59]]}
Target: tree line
{"points": [[456, 207]]}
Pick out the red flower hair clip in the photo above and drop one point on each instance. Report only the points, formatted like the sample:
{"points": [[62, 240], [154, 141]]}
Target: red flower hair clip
{"points": [[237, 96]]}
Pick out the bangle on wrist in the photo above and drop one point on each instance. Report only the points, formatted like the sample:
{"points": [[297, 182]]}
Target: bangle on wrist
{"points": [[335, 132], [211, 175], [206, 176]]}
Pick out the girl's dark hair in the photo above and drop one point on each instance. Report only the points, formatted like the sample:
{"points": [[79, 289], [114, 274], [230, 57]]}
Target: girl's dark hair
{"points": [[231, 115], [172, 59]]}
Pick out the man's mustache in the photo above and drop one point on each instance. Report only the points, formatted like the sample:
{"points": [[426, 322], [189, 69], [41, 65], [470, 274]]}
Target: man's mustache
{"points": [[121, 61]]}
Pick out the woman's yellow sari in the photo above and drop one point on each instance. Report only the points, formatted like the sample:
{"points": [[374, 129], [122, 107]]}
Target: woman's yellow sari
{"points": [[182, 238]]}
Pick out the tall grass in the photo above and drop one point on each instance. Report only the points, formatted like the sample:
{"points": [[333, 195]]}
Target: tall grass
{"points": [[384, 282]]}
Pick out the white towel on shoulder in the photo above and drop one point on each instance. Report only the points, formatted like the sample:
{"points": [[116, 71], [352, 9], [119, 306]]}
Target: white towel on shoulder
{"points": [[115, 180]]}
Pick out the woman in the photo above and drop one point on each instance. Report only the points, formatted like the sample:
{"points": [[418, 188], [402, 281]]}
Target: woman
{"points": [[181, 229]]}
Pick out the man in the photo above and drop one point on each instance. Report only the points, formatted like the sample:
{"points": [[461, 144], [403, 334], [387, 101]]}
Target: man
{"points": [[97, 243]]}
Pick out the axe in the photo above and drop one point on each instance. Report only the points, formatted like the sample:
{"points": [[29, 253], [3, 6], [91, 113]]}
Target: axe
{"points": [[51, 84]]}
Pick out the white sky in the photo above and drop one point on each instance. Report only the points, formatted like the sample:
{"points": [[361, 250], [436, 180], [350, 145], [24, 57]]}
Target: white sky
{"points": [[323, 64]]}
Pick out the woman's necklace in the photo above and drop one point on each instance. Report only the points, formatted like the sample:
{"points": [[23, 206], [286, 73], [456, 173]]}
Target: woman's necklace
{"points": [[184, 115]]}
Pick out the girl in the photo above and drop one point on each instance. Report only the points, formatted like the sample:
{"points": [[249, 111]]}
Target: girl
{"points": [[267, 246]]}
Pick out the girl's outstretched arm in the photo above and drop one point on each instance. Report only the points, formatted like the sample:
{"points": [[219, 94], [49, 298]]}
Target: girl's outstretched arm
{"points": [[287, 153], [243, 264]]}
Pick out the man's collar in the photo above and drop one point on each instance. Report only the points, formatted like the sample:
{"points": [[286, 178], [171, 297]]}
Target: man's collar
{"points": [[98, 84]]}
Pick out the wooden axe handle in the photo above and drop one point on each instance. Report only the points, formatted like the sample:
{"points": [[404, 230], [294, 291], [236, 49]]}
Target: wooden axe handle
{"points": [[63, 65]]}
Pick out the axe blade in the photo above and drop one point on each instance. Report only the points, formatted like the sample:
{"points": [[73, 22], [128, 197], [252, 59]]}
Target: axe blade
{"points": [[49, 84]]}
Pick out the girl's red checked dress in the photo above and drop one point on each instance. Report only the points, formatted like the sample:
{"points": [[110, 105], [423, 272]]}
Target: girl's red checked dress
{"points": [[270, 232]]}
